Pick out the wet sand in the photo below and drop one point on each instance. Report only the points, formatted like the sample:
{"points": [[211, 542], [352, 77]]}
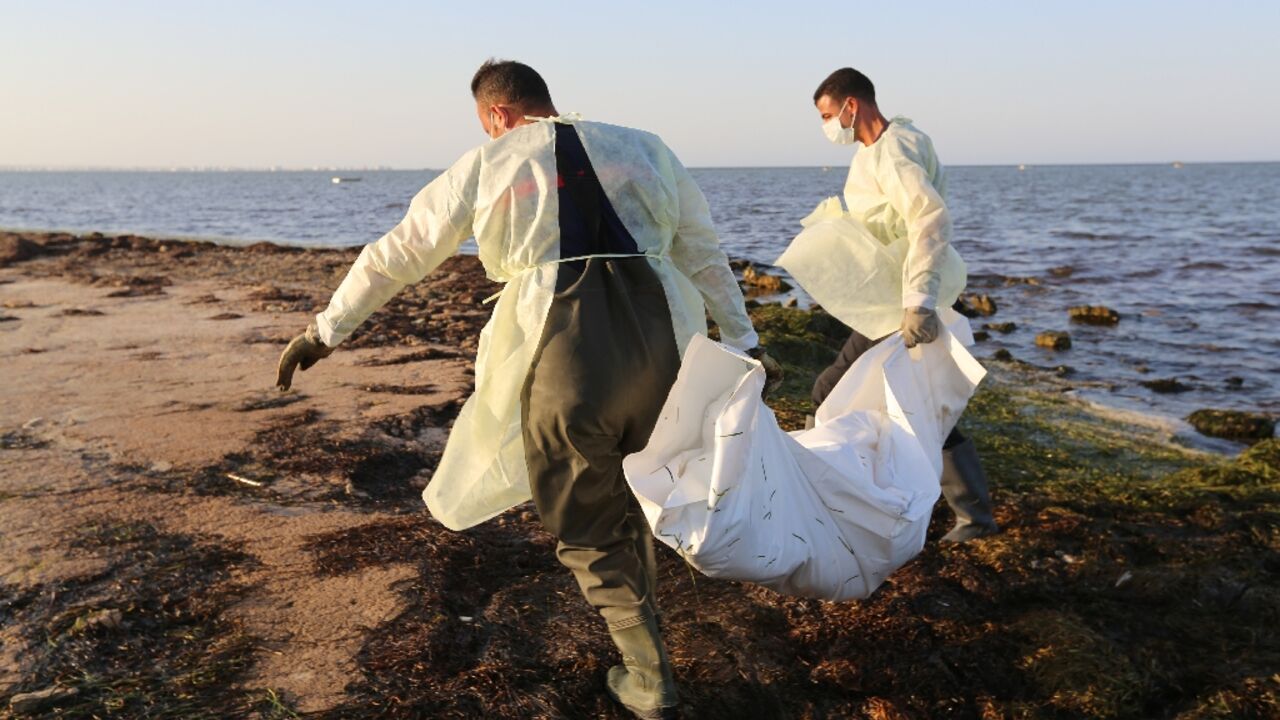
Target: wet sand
{"points": [[132, 366], [179, 538]]}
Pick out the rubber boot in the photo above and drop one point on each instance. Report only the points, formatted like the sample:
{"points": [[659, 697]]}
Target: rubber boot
{"points": [[964, 485], [643, 683]]}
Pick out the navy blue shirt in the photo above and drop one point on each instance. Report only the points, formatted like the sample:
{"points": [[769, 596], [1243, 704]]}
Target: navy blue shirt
{"points": [[588, 223]]}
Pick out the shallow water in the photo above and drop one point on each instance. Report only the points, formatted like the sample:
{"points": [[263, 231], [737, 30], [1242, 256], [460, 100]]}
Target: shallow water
{"points": [[1189, 256]]}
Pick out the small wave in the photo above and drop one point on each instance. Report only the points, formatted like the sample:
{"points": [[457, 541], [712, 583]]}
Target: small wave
{"points": [[1151, 272], [1205, 265], [1097, 236], [1252, 306], [395, 206], [1264, 250], [1081, 235]]}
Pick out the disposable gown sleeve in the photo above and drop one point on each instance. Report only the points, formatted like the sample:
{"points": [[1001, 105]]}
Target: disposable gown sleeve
{"points": [[906, 183], [438, 221], [696, 252]]}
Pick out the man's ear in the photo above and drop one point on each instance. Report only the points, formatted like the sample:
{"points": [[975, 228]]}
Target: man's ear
{"points": [[506, 116]]}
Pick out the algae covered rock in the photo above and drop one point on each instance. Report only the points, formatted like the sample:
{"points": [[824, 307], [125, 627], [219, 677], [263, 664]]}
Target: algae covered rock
{"points": [[1054, 340], [1255, 467], [972, 305], [1094, 315], [1265, 456], [806, 337], [14, 248], [764, 281], [1233, 424], [1011, 281], [1004, 328], [1165, 385]]}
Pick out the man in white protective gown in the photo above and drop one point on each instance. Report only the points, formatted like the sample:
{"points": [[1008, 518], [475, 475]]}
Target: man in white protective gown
{"points": [[610, 263], [832, 510], [896, 192]]}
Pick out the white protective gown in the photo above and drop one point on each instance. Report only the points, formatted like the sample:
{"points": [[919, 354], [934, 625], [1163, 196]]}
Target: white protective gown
{"points": [[892, 248], [504, 193]]}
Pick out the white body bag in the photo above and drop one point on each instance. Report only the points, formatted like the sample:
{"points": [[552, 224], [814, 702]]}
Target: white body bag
{"points": [[827, 512]]}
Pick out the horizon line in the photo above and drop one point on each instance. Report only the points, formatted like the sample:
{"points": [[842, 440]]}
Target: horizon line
{"points": [[385, 168]]}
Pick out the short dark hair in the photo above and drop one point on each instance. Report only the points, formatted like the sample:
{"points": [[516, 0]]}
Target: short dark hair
{"points": [[846, 82], [507, 82]]}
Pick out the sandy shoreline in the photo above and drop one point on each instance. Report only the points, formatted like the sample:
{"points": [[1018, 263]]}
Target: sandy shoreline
{"points": [[160, 357], [178, 537]]}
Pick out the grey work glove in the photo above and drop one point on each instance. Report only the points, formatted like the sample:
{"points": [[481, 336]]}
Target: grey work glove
{"points": [[919, 326], [301, 352], [772, 371]]}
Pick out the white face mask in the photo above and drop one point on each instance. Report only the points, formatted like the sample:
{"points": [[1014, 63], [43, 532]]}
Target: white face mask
{"points": [[836, 132]]}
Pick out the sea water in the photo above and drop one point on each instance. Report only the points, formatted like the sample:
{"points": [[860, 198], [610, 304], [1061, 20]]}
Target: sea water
{"points": [[1189, 256]]}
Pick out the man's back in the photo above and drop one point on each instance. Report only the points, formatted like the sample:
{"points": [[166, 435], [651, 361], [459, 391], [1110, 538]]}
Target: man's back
{"points": [[511, 188]]}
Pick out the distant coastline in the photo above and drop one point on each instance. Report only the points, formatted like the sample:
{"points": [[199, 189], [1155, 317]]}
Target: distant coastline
{"points": [[383, 168]]}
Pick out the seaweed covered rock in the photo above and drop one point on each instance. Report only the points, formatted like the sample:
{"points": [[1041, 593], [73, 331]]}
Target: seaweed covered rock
{"points": [[1054, 340], [15, 248], [1013, 280], [972, 305], [801, 336], [1257, 466], [1004, 328], [1165, 385], [1233, 424], [764, 281], [1094, 315], [1264, 456]]}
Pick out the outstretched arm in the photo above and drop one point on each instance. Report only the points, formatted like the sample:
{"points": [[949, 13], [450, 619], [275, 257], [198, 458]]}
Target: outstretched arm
{"points": [[437, 222]]}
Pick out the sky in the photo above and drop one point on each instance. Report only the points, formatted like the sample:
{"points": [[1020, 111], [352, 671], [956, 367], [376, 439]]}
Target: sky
{"points": [[726, 84]]}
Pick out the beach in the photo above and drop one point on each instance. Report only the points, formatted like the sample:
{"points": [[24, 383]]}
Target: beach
{"points": [[182, 539]]}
